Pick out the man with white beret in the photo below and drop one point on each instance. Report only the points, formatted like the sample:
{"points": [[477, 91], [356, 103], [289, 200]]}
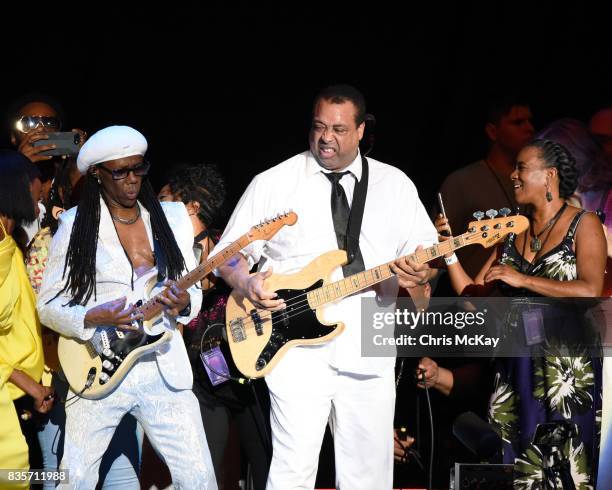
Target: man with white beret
{"points": [[118, 232]]}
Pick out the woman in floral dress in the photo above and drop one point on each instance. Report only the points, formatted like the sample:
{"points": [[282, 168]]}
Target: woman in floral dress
{"points": [[561, 254]]}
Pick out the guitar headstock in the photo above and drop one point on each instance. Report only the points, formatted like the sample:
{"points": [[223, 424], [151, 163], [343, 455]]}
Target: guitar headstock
{"points": [[268, 228], [488, 232]]}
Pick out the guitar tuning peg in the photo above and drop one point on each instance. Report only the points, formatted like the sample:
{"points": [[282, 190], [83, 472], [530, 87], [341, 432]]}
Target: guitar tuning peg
{"points": [[491, 213], [478, 215], [504, 212]]}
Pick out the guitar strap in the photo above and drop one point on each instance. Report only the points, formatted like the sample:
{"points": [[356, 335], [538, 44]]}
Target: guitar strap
{"points": [[355, 260], [160, 259]]}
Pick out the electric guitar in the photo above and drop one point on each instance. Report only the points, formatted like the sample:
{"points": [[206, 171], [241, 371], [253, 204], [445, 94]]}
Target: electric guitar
{"points": [[95, 367], [259, 338]]}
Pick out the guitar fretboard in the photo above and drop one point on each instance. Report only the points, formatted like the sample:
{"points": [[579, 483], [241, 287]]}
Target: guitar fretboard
{"points": [[362, 280], [153, 307]]}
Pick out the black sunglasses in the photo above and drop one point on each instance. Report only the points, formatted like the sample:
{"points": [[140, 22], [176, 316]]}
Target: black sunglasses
{"points": [[139, 170]]}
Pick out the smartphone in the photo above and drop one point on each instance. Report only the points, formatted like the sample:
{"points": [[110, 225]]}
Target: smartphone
{"points": [[441, 205], [67, 143]]}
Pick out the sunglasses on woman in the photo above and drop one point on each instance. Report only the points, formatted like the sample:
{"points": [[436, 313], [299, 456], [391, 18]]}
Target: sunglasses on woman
{"points": [[25, 124]]}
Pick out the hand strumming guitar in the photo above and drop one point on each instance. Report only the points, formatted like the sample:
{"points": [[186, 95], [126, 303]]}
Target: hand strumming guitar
{"points": [[113, 313]]}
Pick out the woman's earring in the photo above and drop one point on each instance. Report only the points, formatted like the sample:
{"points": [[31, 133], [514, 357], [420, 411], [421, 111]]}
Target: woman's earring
{"points": [[549, 196]]}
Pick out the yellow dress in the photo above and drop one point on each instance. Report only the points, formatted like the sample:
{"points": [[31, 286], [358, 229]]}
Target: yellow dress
{"points": [[20, 348]]}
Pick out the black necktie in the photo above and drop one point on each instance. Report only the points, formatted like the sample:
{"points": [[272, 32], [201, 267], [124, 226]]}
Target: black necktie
{"points": [[340, 215]]}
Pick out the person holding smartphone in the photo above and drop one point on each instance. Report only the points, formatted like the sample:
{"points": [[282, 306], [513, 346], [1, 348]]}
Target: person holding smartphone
{"points": [[31, 119], [561, 255], [100, 248]]}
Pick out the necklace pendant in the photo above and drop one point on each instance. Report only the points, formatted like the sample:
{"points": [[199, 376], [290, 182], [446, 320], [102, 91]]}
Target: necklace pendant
{"points": [[535, 245]]}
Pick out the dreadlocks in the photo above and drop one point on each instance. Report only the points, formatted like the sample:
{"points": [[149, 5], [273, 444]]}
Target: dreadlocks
{"points": [[80, 264]]}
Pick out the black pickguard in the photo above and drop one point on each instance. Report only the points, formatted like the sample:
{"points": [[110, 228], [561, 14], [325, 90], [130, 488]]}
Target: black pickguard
{"points": [[122, 347], [297, 321], [132, 341]]}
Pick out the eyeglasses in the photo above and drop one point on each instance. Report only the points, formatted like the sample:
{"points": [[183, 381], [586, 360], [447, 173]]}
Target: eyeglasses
{"points": [[25, 124], [139, 170]]}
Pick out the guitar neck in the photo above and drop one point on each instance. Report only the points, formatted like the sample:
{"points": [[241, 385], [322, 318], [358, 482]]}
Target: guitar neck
{"points": [[152, 307], [363, 280]]}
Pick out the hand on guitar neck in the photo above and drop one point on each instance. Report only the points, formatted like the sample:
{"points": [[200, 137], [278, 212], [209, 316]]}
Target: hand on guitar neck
{"points": [[114, 313], [174, 298], [411, 275]]}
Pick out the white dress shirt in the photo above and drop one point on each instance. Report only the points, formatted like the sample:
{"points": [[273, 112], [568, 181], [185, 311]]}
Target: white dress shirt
{"points": [[394, 223], [114, 276]]}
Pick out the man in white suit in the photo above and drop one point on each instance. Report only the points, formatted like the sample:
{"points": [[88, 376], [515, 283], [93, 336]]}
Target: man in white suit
{"points": [[118, 232], [333, 382]]}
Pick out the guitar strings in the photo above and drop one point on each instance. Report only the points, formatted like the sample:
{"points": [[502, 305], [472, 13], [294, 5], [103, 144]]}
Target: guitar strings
{"points": [[248, 322]]}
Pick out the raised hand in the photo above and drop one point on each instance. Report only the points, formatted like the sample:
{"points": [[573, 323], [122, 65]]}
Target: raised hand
{"points": [[27, 148]]}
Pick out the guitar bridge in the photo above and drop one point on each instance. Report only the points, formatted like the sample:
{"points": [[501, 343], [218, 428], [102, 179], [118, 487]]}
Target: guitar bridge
{"points": [[237, 330]]}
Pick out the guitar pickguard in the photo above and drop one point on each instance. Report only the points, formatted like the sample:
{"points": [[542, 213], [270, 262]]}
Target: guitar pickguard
{"points": [[296, 322], [113, 346]]}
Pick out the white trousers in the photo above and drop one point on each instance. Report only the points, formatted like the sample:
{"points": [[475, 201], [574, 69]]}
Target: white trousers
{"points": [[306, 393], [170, 418]]}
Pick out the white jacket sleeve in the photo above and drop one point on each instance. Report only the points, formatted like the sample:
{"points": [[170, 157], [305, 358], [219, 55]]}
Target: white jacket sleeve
{"points": [[179, 222], [53, 309]]}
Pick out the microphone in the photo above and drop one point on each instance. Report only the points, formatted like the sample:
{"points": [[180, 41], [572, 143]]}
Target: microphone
{"points": [[475, 434]]}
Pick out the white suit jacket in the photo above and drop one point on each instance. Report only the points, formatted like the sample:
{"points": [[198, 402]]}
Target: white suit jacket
{"points": [[113, 280]]}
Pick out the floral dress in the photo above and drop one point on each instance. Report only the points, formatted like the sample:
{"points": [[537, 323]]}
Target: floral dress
{"points": [[533, 390]]}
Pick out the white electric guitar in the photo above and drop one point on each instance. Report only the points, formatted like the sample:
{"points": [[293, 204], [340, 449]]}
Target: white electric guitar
{"points": [[95, 367]]}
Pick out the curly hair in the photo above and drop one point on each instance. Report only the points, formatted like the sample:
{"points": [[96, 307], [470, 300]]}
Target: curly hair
{"points": [[556, 155], [203, 184]]}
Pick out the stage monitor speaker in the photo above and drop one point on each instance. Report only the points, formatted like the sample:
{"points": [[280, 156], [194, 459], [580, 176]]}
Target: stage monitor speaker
{"points": [[482, 477]]}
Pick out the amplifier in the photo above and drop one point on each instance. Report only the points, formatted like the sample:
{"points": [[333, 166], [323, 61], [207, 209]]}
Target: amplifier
{"points": [[482, 477]]}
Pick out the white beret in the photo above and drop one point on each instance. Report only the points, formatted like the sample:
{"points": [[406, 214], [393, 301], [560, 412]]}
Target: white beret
{"points": [[111, 143]]}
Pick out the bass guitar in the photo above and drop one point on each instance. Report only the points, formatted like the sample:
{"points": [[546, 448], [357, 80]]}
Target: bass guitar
{"points": [[95, 367], [259, 338]]}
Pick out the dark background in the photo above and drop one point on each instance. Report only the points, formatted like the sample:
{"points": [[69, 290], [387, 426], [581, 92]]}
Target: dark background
{"points": [[233, 83]]}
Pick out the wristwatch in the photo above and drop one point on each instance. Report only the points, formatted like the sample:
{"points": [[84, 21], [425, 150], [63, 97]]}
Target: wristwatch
{"points": [[185, 311]]}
